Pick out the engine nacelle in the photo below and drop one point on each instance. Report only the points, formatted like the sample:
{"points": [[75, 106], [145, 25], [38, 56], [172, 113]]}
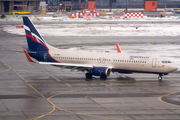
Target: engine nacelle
{"points": [[101, 71]]}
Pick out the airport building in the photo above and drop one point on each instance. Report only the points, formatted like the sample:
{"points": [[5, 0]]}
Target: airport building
{"points": [[119, 4], [7, 6]]}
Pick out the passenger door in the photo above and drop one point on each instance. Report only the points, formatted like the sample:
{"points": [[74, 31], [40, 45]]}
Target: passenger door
{"points": [[154, 61]]}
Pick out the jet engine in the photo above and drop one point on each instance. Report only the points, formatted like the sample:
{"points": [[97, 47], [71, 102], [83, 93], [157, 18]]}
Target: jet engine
{"points": [[101, 71]]}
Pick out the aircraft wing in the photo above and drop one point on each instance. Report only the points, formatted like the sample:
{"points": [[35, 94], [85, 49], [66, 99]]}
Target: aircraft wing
{"points": [[72, 66]]}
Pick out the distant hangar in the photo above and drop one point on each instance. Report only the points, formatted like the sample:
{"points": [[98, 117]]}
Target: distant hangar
{"points": [[7, 6]]}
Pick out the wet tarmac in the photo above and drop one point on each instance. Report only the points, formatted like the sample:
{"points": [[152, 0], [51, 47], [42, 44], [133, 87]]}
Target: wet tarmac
{"points": [[33, 91]]}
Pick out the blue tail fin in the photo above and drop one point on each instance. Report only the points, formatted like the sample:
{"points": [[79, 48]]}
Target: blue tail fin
{"points": [[34, 39]]}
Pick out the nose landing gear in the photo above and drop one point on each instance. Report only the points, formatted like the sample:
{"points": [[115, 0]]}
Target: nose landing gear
{"points": [[160, 77], [161, 74]]}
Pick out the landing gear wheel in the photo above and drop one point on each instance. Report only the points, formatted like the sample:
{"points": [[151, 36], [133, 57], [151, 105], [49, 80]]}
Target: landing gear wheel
{"points": [[103, 77], [160, 77], [88, 75]]}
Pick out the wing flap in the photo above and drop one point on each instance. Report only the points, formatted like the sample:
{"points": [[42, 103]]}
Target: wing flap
{"points": [[67, 64], [72, 66], [79, 67]]}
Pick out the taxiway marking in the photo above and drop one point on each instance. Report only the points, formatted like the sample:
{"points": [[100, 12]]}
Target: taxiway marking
{"points": [[160, 98], [33, 89]]}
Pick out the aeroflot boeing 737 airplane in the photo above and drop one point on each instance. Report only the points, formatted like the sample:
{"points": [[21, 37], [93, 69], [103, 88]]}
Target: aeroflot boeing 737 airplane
{"points": [[95, 63]]}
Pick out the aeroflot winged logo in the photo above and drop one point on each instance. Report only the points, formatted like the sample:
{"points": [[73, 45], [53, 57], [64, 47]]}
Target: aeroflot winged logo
{"points": [[140, 57]]}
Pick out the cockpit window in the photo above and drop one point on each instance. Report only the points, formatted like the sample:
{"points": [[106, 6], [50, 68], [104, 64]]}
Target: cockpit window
{"points": [[169, 61], [166, 61]]}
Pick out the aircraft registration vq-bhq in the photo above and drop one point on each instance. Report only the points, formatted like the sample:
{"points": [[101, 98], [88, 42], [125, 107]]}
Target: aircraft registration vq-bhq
{"points": [[95, 63]]}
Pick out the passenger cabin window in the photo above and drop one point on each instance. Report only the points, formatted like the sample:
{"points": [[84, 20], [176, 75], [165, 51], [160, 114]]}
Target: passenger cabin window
{"points": [[166, 61]]}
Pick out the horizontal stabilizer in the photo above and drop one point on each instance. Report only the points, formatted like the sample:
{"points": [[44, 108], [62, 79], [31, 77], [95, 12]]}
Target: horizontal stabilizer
{"points": [[31, 52], [27, 56]]}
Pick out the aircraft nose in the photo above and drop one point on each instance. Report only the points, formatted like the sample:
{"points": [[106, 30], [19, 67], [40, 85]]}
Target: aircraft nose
{"points": [[173, 68]]}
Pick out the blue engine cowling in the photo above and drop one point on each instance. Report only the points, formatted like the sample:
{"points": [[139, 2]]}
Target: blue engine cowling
{"points": [[101, 71]]}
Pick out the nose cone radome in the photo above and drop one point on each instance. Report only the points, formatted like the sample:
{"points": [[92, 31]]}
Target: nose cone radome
{"points": [[173, 68]]}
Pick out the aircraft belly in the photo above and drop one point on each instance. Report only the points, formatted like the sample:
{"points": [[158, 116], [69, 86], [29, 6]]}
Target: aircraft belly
{"points": [[131, 67]]}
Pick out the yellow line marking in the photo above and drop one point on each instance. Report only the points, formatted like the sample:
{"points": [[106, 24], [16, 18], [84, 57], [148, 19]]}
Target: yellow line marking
{"points": [[5, 70], [39, 94], [33, 89], [5, 64], [160, 98], [35, 118], [82, 113], [54, 106], [84, 89], [75, 112]]}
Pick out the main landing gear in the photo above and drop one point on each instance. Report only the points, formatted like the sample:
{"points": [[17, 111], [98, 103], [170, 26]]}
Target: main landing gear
{"points": [[89, 75], [160, 77], [103, 77]]}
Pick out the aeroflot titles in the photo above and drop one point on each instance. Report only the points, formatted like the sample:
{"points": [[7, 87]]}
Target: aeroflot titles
{"points": [[141, 57]]}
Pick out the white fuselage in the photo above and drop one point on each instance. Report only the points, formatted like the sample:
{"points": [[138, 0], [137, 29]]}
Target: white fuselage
{"points": [[121, 61]]}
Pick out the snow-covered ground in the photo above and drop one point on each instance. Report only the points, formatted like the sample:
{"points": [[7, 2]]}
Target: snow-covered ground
{"points": [[164, 29], [65, 17]]}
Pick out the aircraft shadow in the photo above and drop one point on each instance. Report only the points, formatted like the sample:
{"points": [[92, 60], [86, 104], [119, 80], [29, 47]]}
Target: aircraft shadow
{"points": [[125, 78]]}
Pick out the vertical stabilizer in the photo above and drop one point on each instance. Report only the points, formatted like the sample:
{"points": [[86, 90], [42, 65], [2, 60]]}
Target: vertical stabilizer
{"points": [[34, 39]]}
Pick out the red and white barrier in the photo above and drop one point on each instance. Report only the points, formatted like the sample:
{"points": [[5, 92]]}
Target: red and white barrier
{"points": [[94, 14], [83, 11], [83, 14], [74, 15], [133, 15], [93, 11]]}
